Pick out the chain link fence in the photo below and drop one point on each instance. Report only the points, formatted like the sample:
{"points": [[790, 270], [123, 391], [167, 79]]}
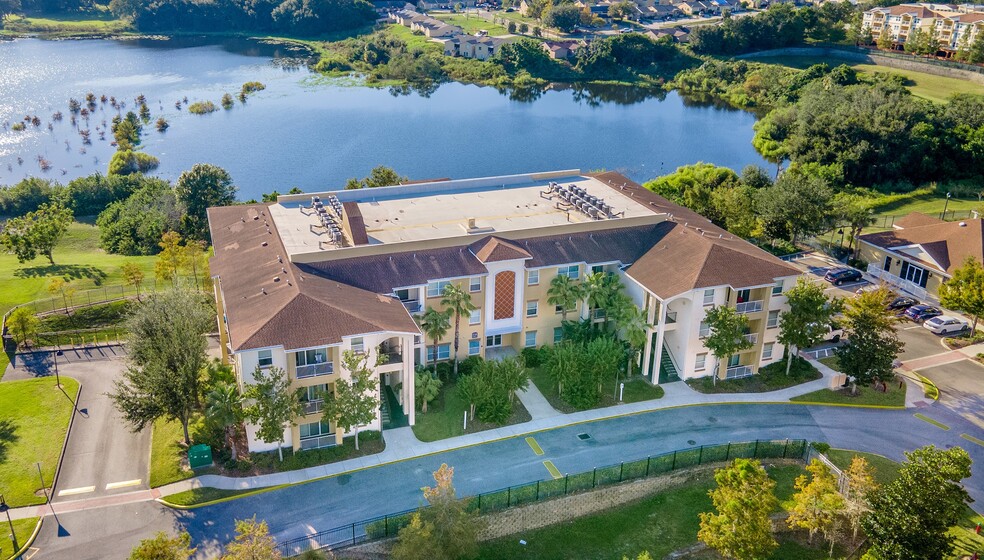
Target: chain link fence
{"points": [[387, 526]]}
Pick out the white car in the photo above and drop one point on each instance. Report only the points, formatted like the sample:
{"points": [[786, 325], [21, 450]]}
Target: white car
{"points": [[944, 324]]}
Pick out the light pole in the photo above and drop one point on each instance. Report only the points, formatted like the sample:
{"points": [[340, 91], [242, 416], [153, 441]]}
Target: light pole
{"points": [[841, 231], [6, 509], [945, 204], [57, 377]]}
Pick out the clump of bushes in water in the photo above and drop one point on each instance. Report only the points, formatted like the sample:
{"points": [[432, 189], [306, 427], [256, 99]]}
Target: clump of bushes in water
{"points": [[202, 108], [18, 126], [252, 87], [125, 162], [162, 124], [227, 101]]}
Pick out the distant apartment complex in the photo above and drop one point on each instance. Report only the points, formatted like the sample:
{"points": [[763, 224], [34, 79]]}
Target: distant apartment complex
{"points": [[952, 25], [452, 38], [300, 281]]}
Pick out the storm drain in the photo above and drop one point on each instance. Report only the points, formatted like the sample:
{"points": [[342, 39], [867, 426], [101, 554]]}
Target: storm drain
{"points": [[583, 436]]}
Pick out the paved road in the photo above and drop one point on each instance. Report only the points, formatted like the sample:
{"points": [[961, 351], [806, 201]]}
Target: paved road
{"points": [[300, 510]]}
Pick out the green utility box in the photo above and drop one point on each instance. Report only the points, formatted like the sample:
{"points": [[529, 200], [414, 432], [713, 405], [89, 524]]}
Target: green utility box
{"points": [[200, 456]]}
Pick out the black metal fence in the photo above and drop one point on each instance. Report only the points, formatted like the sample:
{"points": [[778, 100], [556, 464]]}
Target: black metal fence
{"points": [[386, 526]]}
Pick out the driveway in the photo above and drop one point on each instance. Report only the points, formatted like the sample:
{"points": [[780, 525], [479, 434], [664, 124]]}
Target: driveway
{"points": [[961, 387], [103, 456], [919, 342]]}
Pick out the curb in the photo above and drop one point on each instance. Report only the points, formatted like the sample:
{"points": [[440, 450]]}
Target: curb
{"points": [[30, 540], [261, 490], [68, 432]]}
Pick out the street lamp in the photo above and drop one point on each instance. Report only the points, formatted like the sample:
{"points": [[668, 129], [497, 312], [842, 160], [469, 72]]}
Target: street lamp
{"points": [[6, 509], [57, 377], [841, 231], [945, 204]]}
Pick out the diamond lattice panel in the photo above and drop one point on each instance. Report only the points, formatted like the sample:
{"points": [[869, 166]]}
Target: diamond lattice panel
{"points": [[505, 295]]}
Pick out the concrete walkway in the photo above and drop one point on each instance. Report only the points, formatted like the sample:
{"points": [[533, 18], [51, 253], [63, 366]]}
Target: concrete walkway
{"points": [[536, 404]]}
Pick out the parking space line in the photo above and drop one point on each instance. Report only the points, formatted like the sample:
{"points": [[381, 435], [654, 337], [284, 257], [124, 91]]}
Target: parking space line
{"points": [[124, 484], [79, 490], [554, 471], [925, 418], [534, 446], [978, 441]]}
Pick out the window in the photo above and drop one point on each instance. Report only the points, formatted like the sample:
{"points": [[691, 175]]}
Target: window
{"points": [[404, 295], [493, 341], [314, 429], [474, 347], [558, 334], [709, 296], [572, 271], [443, 352], [475, 284], [705, 330], [265, 358], [597, 268], [435, 289], [532, 307], [773, 320], [744, 295], [701, 362], [314, 393], [767, 350], [475, 317], [560, 309], [358, 344], [308, 357], [533, 278], [530, 341], [734, 361], [777, 289]]}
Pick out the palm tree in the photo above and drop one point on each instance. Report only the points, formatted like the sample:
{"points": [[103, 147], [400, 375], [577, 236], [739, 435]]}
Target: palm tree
{"points": [[565, 293], [632, 322], [225, 408], [602, 291], [457, 302], [435, 325]]}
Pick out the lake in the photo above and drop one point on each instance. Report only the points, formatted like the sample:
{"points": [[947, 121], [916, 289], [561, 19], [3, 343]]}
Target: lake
{"points": [[313, 133]]}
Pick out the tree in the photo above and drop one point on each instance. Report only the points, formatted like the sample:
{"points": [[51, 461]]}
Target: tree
{"points": [[563, 17], [446, 529], [164, 547], [621, 10], [224, 408], [171, 259], [435, 325], [964, 291], [808, 319], [817, 505], [167, 354], [58, 286], [861, 486], [356, 399], [693, 186], [565, 364], [631, 321], [36, 233], [727, 334], [884, 40], [603, 290], [976, 53], [127, 162], [857, 212], [202, 186], [9, 7], [132, 276], [511, 27], [252, 542], [275, 405], [457, 302], [911, 516], [564, 293], [800, 201], [195, 262], [134, 225], [963, 47], [872, 343], [426, 388], [917, 42], [473, 390], [22, 324], [740, 527], [380, 176]]}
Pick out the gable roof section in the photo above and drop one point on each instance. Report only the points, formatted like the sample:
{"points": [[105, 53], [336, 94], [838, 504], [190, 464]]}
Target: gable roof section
{"points": [[495, 249], [271, 302], [915, 219], [948, 243]]}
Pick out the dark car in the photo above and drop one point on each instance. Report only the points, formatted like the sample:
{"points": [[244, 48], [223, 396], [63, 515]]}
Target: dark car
{"points": [[838, 276], [902, 303], [920, 313]]}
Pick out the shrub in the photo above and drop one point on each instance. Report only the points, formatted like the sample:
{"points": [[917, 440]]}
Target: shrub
{"points": [[444, 370], [820, 446], [125, 162], [468, 365], [535, 357], [18, 127], [227, 101], [252, 87], [202, 108]]}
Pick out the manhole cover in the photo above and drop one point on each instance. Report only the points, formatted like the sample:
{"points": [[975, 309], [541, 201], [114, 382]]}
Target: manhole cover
{"points": [[691, 442], [583, 436]]}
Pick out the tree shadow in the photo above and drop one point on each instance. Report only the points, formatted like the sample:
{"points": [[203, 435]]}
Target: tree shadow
{"points": [[67, 271], [8, 436], [38, 364]]}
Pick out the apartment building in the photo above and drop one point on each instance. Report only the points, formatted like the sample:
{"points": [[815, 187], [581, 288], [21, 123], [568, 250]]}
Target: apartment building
{"points": [[950, 24], [303, 280]]}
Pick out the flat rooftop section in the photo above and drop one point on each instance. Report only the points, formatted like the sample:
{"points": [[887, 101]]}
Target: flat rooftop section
{"points": [[449, 209]]}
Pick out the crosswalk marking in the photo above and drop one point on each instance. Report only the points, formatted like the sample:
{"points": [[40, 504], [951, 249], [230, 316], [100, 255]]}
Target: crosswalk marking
{"points": [[124, 484], [79, 490]]}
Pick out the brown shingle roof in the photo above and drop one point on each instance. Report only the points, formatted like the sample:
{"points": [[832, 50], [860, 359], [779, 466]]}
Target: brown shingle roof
{"points": [[948, 243], [494, 249], [271, 302], [916, 219]]}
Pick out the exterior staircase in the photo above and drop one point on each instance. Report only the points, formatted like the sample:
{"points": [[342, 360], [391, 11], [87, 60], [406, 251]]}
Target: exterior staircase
{"points": [[384, 411], [667, 371]]}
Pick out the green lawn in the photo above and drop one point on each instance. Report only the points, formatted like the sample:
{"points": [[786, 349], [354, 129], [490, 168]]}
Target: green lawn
{"points": [[636, 389], [166, 454], [769, 378], [23, 528], [65, 24], [471, 24], [445, 415], [198, 496], [885, 469], [928, 86], [865, 396], [35, 420]]}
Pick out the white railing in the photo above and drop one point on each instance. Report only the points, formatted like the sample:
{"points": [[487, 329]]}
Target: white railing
{"points": [[751, 337], [313, 407], [749, 306], [737, 372], [314, 370], [412, 306], [899, 283], [316, 442]]}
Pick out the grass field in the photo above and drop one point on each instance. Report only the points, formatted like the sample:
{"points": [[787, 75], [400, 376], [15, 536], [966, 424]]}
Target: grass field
{"points": [[472, 24], [865, 396], [166, 453], [928, 86], [445, 415], [33, 428], [66, 24], [22, 528]]}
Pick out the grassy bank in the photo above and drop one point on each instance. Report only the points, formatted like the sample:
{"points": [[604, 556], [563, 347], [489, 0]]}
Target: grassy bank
{"points": [[35, 421], [23, 528], [445, 415], [66, 25]]}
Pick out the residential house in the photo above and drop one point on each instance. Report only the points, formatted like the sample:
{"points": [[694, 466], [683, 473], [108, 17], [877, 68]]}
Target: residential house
{"points": [[301, 282], [950, 25], [561, 50]]}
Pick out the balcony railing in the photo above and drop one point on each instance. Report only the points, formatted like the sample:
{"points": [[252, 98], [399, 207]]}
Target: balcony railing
{"points": [[412, 306], [751, 337], [316, 442], [313, 407], [738, 372], [314, 370], [749, 306], [392, 357]]}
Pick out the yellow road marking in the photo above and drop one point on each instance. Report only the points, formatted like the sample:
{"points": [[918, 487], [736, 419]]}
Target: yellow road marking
{"points": [[925, 418], [124, 484], [80, 490], [554, 471], [978, 441], [534, 446]]}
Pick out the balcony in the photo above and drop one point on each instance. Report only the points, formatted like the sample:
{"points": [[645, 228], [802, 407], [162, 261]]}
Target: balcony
{"points": [[738, 372], [749, 306], [392, 357], [314, 370], [751, 337], [316, 442], [412, 306], [598, 314], [313, 407]]}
